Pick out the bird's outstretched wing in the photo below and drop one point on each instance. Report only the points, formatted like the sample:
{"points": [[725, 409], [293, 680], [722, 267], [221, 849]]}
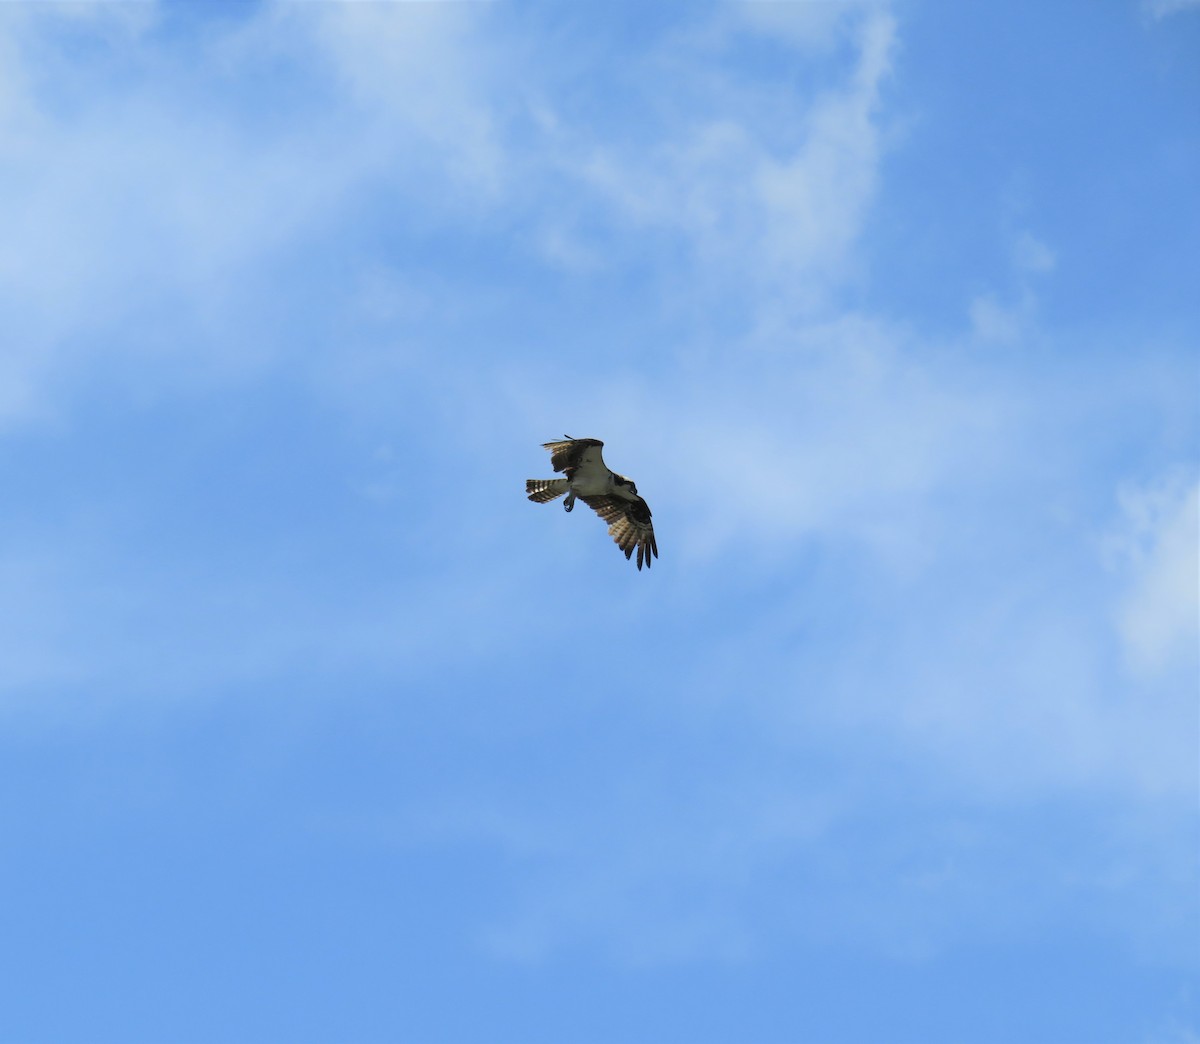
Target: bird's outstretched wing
{"points": [[569, 455], [628, 524]]}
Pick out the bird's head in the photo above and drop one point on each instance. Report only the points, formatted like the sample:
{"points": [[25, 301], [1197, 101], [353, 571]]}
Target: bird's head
{"points": [[629, 484]]}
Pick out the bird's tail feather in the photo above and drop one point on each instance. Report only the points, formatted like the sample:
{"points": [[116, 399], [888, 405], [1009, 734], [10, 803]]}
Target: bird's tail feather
{"points": [[542, 491]]}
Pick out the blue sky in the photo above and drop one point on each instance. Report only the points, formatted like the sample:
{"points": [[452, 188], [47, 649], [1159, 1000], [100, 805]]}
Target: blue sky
{"points": [[313, 729]]}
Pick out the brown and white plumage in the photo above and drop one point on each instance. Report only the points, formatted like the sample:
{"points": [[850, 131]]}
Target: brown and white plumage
{"points": [[613, 497]]}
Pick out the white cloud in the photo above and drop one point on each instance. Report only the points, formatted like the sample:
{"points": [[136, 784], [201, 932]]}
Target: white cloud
{"points": [[131, 203], [993, 321], [413, 77], [765, 192], [832, 431], [802, 24], [815, 201], [1164, 8], [1158, 548], [942, 483], [1031, 255], [975, 662]]}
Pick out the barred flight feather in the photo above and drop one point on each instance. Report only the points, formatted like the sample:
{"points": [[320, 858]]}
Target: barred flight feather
{"points": [[542, 491]]}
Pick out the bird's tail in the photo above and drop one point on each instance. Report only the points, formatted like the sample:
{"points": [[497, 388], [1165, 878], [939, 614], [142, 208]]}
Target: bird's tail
{"points": [[542, 491]]}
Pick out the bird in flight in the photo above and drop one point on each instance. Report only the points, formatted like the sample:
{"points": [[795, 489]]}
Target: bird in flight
{"points": [[613, 497]]}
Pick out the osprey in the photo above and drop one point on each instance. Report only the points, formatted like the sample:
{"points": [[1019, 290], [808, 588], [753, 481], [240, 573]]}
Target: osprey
{"points": [[613, 497]]}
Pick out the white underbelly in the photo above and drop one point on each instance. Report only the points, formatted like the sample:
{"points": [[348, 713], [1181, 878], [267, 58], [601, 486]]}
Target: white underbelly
{"points": [[592, 485]]}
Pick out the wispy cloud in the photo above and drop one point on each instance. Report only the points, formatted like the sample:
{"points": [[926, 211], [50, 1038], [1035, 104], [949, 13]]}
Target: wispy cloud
{"points": [[131, 204], [155, 205], [879, 536], [1165, 8], [736, 177], [1157, 547], [1002, 317]]}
